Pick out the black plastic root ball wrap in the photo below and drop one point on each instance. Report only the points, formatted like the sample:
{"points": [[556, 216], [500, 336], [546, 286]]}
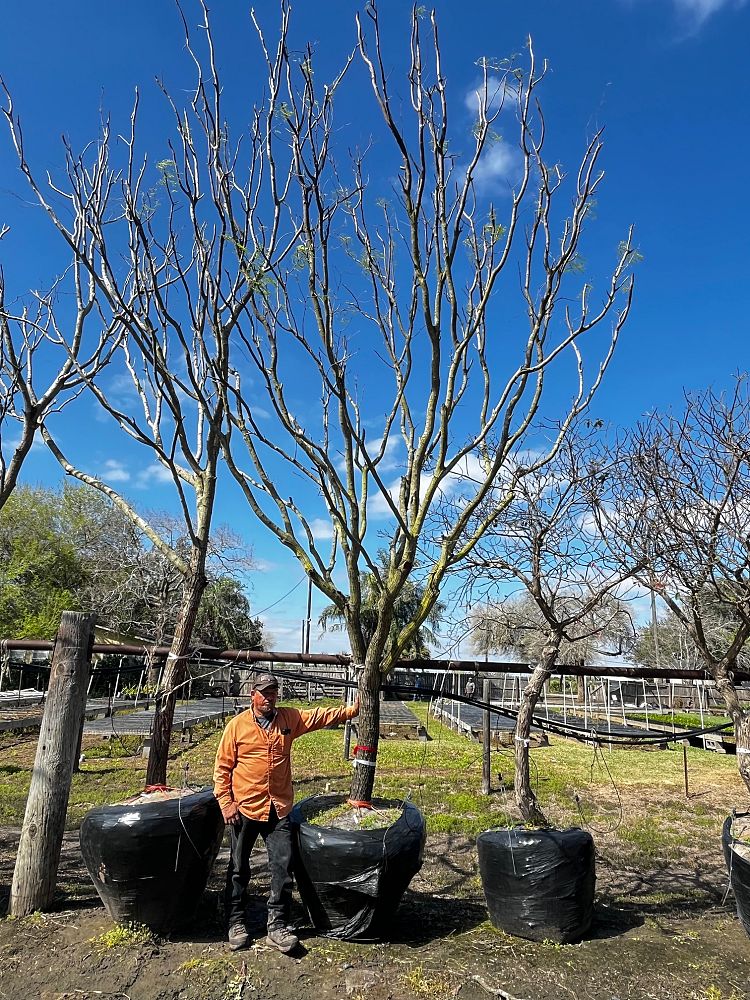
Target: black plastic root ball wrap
{"points": [[150, 859], [738, 868], [539, 884], [351, 881]]}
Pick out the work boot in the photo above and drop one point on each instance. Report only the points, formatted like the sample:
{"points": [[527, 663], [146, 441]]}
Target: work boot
{"points": [[238, 936], [282, 938]]}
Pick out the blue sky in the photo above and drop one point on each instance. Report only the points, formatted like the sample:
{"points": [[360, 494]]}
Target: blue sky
{"points": [[668, 79]]}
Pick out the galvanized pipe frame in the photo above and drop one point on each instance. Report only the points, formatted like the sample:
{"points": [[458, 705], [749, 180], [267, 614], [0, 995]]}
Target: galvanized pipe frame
{"points": [[480, 667]]}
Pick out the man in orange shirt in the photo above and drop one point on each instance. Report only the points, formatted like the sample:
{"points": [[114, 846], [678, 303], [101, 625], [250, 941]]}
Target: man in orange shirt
{"points": [[253, 784]]}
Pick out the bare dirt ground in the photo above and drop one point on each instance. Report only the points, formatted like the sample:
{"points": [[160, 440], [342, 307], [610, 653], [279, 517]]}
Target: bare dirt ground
{"points": [[666, 934]]}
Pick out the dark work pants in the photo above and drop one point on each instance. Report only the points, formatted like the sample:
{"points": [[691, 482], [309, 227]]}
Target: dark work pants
{"points": [[277, 836]]}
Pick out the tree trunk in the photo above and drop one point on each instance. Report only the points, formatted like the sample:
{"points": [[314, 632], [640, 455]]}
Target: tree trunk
{"points": [[742, 734], [44, 821], [175, 672], [722, 675], [580, 690], [526, 800], [368, 733]]}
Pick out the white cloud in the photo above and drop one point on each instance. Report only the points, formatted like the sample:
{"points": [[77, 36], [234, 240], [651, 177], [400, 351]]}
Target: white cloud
{"points": [[261, 565], [391, 455], [9, 444], [500, 164], [321, 528], [154, 473], [498, 168], [469, 469], [699, 11], [115, 472], [500, 95]]}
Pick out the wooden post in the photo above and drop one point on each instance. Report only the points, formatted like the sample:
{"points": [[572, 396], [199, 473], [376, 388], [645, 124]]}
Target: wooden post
{"points": [[38, 854], [486, 742]]}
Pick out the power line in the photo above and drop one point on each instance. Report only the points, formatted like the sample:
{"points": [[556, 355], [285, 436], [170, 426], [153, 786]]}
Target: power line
{"points": [[256, 613]]}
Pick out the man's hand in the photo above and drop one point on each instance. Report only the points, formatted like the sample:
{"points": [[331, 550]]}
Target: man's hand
{"points": [[231, 814]]}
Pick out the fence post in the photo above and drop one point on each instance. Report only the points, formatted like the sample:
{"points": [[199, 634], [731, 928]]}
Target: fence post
{"points": [[38, 854], [486, 747]]}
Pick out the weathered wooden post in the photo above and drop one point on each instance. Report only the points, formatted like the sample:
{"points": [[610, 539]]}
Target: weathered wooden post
{"points": [[38, 855]]}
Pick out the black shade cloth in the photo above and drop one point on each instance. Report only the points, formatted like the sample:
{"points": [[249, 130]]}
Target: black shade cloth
{"points": [[150, 861], [739, 870], [539, 884], [351, 881]]}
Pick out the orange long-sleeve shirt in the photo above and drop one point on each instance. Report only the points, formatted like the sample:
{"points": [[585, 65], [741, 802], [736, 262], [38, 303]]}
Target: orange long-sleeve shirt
{"points": [[253, 766]]}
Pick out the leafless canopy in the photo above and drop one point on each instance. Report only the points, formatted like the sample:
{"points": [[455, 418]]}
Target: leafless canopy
{"points": [[153, 250], [681, 505], [384, 301], [44, 363], [548, 540]]}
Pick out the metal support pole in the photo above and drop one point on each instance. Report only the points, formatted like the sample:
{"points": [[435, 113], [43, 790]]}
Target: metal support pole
{"points": [[138, 689], [486, 747], [309, 615], [457, 690]]}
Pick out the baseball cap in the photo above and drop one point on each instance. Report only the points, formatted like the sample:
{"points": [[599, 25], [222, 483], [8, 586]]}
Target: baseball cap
{"points": [[263, 681]]}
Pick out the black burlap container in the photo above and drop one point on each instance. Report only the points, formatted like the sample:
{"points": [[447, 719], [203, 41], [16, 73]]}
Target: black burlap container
{"points": [[738, 868], [539, 884], [150, 858], [351, 881]]}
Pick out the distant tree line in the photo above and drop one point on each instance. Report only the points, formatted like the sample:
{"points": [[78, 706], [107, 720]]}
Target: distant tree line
{"points": [[72, 549]]}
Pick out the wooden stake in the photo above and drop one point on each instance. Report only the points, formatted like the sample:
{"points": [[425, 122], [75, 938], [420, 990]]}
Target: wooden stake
{"points": [[38, 855], [685, 767]]}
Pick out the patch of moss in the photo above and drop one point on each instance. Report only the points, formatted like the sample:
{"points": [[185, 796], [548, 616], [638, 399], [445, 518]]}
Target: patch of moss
{"points": [[423, 984], [130, 935]]}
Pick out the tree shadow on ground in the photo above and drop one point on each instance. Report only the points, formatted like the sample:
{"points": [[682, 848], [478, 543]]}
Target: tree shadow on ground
{"points": [[423, 918], [672, 890], [611, 920], [11, 769]]}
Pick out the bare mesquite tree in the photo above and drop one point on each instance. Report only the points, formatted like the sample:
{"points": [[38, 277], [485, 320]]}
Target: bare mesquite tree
{"points": [[44, 363], [394, 352], [381, 353], [547, 541], [156, 248], [682, 506]]}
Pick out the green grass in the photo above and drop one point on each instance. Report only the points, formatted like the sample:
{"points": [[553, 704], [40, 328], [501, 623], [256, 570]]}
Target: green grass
{"points": [[650, 840], [632, 798], [687, 720]]}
